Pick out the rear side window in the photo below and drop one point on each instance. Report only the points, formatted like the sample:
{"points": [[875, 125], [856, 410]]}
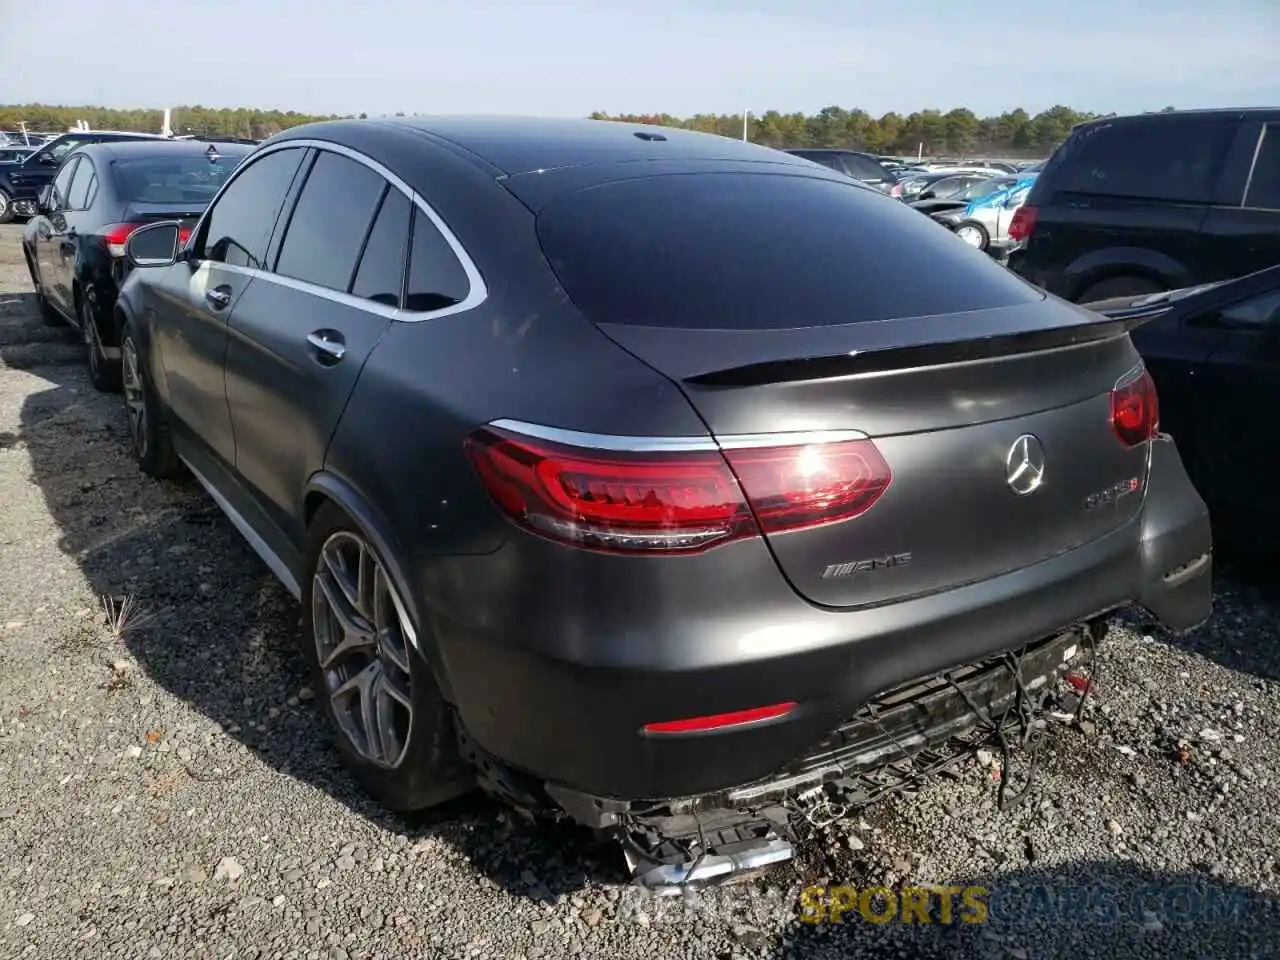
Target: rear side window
{"points": [[1264, 182], [78, 195], [761, 252], [1176, 159], [327, 229], [381, 271], [436, 278]]}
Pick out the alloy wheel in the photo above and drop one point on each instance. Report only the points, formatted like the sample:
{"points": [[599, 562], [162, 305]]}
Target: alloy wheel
{"points": [[970, 235], [362, 635], [4, 204], [91, 339], [135, 398]]}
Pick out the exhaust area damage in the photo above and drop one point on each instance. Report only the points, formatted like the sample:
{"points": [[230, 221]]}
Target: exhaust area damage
{"points": [[896, 743]]}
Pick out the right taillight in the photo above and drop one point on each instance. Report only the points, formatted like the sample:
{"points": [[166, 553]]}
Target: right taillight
{"points": [[1135, 407], [663, 502], [1023, 223]]}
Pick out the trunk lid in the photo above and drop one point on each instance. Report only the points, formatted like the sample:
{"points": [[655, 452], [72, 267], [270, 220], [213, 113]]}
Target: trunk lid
{"points": [[142, 212], [948, 419]]}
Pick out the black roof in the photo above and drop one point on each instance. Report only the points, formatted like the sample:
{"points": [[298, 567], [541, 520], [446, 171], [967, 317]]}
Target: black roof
{"points": [[160, 147], [1240, 113], [516, 145]]}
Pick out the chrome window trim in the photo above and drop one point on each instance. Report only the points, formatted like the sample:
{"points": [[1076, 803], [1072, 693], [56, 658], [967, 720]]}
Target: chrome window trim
{"points": [[1253, 163], [634, 444], [477, 291]]}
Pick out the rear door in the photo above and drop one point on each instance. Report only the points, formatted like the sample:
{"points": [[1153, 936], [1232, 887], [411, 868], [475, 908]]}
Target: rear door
{"points": [[830, 323], [300, 335]]}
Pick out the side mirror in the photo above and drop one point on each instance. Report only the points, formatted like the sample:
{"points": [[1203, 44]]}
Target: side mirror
{"points": [[47, 159], [155, 245], [926, 195], [44, 200]]}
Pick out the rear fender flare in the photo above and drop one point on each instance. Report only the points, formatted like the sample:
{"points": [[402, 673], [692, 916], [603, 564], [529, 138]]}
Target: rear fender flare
{"points": [[1098, 265], [325, 485]]}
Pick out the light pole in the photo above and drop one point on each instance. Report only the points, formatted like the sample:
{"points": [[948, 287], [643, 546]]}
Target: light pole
{"points": [[745, 115]]}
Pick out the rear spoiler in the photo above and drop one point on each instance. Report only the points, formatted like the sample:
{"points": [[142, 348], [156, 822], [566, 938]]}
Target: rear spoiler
{"points": [[887, 358]]}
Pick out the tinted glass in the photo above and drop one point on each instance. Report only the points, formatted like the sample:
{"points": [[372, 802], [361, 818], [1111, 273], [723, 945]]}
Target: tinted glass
{"points": [[864, 168], [329, 222], [1256, 313], [381, 271], [62, 148], [744, 251], [173, 179], [62, 184], [1175, 159], [436, 278], [240, 223], [78, 195], [1264, 184], [92, 193]]}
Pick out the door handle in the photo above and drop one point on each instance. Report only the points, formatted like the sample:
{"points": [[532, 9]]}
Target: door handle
{"points": [[218, 296], [328, 344]]}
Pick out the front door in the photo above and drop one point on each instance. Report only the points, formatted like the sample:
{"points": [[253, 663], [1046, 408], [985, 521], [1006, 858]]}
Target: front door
{"points": [[198, 296], [51, 228], [299, 337]]}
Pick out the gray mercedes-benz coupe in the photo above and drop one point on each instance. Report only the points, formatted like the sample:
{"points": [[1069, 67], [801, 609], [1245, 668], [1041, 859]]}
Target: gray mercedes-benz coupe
{"points": [[666, 482]]}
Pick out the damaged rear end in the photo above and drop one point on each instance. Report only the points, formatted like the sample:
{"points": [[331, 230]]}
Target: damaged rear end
{"points": [[954, 478]]}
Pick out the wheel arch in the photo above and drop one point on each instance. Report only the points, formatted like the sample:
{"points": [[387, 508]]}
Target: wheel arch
{"points": [[1112, 262], [326, 487]]}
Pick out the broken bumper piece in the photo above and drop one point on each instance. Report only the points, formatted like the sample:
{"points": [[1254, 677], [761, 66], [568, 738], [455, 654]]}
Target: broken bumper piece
{"points": [[898, 741]]}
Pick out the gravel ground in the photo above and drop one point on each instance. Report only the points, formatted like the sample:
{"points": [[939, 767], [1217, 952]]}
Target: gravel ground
{"points": [[165, 790]]}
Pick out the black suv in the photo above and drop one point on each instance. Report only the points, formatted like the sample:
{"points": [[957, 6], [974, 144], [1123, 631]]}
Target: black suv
{"points": [[859, 166], [1132, 205], [20, 182]]}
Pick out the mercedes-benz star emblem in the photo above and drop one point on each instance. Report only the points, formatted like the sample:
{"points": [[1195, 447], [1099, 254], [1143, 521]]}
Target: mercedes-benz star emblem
{"points": [[1024, 467]]}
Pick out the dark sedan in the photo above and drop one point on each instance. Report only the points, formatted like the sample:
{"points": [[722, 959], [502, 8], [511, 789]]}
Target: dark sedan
{"points": [[1214, 351], [635, 473], [74, 246]]}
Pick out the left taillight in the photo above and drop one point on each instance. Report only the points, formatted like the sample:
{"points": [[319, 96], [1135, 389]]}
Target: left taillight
{"points": [[184, 234], [115, 235], [1135, 407], [663, 502]]}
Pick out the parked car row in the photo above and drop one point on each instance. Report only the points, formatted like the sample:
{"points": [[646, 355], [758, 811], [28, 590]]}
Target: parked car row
{"points": [[664, 580]]}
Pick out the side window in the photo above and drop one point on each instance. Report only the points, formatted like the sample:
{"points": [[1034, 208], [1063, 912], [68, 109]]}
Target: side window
{"points": [[1159, 159], [62, 184], [78, 194], [1264, 183], [240, 224], [436, 279], [62, 148], [1258, 313], [93, 192], [380, 274], [330, 220]]}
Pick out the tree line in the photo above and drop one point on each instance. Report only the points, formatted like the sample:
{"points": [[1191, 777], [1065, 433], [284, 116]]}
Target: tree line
{"points": [[1016, 133]]}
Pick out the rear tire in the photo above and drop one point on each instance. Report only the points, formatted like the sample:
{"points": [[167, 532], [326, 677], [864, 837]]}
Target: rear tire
{"points": [[1119, 287], [104, 373], [148, 422], [391, 726]]}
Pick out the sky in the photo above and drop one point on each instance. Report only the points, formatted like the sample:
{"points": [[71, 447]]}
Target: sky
{"points": [[570, 57]]}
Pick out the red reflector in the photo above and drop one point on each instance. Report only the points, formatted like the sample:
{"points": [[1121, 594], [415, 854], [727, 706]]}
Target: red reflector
{"points": [[673, 502], [1135, 408], [719, 721], [184, 234], [1023, 223]]}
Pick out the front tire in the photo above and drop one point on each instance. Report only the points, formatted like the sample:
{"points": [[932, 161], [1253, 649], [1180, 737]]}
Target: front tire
{"points": [[6, 208], [392, 727], [148, 423], [972, 233]]}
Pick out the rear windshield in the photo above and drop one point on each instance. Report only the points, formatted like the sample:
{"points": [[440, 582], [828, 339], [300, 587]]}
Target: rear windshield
{"points": [[1162, 158], [761, 252], [174, 179]]}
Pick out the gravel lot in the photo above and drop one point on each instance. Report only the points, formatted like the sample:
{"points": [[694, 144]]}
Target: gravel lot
{"points": [[168, 792]]}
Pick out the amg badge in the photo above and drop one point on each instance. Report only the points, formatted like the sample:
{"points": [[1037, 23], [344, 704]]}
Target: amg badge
{"points": [[1111, 494], [865, 566]]}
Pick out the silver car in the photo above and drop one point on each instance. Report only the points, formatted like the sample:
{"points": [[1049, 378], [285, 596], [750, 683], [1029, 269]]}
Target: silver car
{"points": [[984, 223]]}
